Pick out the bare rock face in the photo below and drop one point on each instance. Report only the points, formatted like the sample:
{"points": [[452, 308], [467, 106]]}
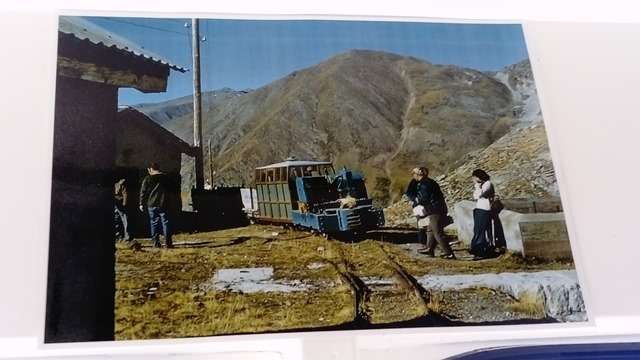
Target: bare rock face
{"points": [[520, 81]]}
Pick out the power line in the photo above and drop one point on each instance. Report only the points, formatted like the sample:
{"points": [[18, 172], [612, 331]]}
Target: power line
{"points": [[177, 21], [209, 79], [145, 26]]}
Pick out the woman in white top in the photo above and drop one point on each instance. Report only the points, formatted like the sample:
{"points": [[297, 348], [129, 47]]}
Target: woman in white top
{"points": [[482, 243]]}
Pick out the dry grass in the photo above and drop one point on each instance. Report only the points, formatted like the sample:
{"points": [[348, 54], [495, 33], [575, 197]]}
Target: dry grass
{"points": [[530, 304], [168, 293], [178, 308], [392, 306], [191, 314], [420, 266], [436, 302]]}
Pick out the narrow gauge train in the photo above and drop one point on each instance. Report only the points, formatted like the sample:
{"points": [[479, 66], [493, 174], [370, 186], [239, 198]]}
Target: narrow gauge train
{"points": [[311, 195]]}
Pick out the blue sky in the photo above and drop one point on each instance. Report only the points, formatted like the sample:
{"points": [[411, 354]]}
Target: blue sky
{"points": [[247, 54]]}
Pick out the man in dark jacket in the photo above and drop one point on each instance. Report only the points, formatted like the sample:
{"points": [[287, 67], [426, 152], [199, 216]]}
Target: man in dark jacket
{"points": [[428, 194], [412, 194], [155, 195]]}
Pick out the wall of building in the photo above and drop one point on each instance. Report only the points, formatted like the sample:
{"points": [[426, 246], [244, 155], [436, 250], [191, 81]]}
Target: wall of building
{"points": [[81, 279], [137, 146]]}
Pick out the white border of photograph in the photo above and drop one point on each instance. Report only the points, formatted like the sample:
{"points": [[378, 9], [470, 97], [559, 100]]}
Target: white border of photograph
{"points": [[580, 69]]}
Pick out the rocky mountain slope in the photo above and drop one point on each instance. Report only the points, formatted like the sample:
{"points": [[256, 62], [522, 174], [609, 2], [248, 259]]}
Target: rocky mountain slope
{"points": [[164, 112], [519, 162], [519, 80], [382, 114]]}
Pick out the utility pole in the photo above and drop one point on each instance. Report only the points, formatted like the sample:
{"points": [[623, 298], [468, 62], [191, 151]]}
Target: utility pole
{"points": [[197, 106], [210, 164]]}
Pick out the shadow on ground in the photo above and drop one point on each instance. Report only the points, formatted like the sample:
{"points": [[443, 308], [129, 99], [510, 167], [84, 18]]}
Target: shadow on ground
{"points": [[428, 321]]}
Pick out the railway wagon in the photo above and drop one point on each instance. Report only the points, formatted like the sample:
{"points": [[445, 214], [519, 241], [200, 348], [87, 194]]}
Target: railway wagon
{"points": [[312, 195]]}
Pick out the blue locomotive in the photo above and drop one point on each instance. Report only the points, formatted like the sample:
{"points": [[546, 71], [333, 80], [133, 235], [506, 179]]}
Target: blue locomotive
{"points": [[310, 194]]}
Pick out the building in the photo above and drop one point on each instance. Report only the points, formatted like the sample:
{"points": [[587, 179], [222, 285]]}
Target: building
{"points": [[92, 64], [139, 139]]}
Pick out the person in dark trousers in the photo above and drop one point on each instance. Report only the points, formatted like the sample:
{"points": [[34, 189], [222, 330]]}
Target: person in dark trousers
{"points": [[488, 234], [497, 232], [122, 212], [412, 194], [429, 195], [155, 196]]}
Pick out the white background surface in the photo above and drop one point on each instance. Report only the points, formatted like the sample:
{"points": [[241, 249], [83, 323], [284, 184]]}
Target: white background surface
{"points": [[585, 57]]}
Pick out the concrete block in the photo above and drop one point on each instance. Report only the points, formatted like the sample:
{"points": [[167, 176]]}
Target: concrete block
{"points": [[545, 239], [546, 233]]}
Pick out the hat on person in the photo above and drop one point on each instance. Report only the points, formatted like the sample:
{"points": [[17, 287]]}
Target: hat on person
{"points": [[417, 171]]}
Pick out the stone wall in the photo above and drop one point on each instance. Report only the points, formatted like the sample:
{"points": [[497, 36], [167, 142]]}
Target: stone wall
{"points": [[534, 205]]}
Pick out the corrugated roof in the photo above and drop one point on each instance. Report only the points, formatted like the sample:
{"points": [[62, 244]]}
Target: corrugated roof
{"points": [[86, 30]]}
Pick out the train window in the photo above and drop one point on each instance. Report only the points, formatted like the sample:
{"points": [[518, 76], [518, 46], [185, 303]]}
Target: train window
{"points": [[263, 176], [327, 170]]}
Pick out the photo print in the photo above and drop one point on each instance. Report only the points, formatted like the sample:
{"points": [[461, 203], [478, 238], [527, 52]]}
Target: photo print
{"points": [[251, 176]]}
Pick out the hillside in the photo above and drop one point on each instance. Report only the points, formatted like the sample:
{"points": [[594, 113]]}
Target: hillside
{"points": [[164, 112], [381, 114], [377, 112], [519, 162]]}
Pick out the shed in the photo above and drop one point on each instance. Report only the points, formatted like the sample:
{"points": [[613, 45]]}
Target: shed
{"points": [[138, 139], [92, 64]]}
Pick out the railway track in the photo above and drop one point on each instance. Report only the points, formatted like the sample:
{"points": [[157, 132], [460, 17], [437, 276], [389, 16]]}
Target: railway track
{"points": [[377, 302]]}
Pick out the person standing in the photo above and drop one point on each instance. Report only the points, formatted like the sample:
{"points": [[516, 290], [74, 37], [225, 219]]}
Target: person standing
{"points": [[484, 234], [412, 194], [430, 197], [122, 212], [155, 196], [497, 230]]}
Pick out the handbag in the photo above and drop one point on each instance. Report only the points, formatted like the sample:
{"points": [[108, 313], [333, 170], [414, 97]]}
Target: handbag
{"points": [[419, 211], [496, 204]]}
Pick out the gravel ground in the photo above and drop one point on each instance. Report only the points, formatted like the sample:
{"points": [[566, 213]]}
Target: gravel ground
{"points": [[479, 306]]}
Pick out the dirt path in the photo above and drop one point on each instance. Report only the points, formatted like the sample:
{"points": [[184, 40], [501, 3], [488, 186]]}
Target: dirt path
{"points": [[403, 132]]}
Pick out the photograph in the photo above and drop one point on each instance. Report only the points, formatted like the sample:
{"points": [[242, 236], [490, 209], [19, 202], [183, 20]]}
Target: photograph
{"points": [[277, 176]]}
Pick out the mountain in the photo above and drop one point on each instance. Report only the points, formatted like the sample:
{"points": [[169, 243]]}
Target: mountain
{"points": [[378, 113], [164, 112], [519, 162], [519, 80]]}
